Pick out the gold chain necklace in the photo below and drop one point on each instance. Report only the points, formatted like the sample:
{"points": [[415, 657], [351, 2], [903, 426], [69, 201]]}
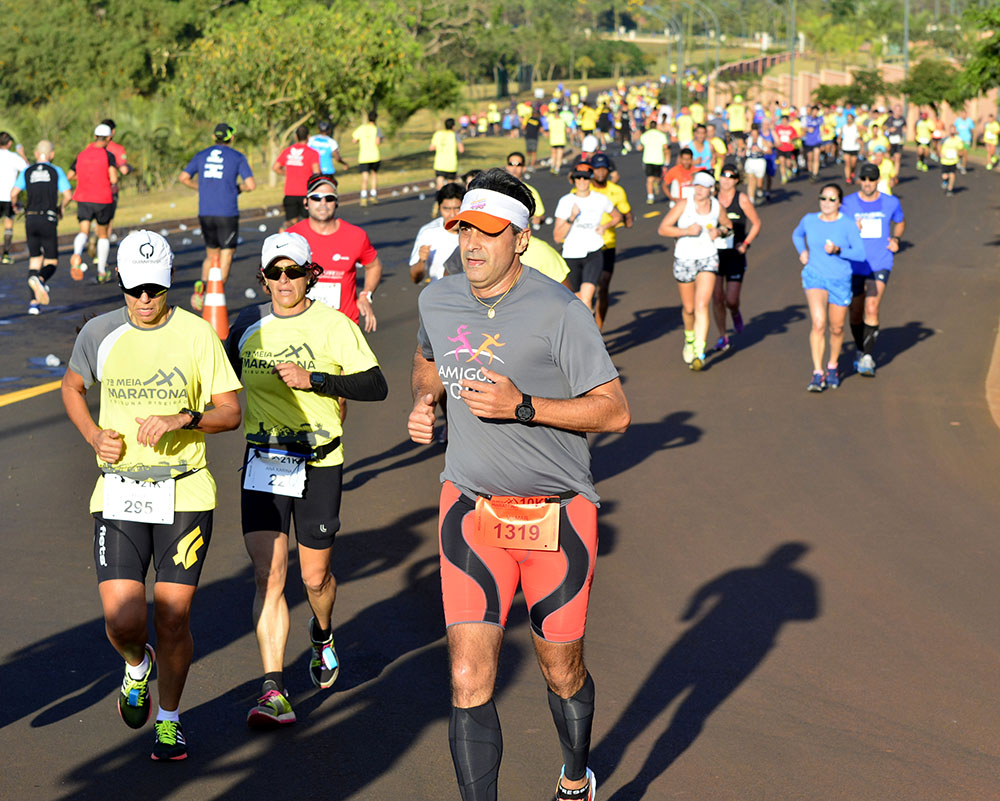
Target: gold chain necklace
{"points": [[491, 307]]}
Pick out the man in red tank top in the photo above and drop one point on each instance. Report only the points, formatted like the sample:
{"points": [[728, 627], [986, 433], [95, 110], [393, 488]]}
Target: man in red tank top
{"points": [[96, 173]]}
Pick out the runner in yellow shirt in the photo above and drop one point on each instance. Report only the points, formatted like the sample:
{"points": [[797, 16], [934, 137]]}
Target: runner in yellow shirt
{"points": [[720, 150], [369, 137], [952, 148], [600, 183], [923, 133], [557, 139], [991, 137], [165, 383], [446, 146]]}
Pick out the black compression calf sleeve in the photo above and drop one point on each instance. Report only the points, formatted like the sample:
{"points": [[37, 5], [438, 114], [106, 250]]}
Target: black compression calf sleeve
{"points": [[858, 332], [8, 237], [476, 748], [870, 335], [47, 271], [574, 718]]}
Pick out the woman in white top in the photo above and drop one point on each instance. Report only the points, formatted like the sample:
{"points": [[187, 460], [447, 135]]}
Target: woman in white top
{"points": [[850, 144], [582, 217], [696, 223]]}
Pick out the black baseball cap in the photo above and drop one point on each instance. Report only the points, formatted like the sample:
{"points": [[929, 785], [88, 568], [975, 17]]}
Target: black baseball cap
{"points": [[325, 126], [868, 170], [600, 160], [224, 131], [319, 179]]}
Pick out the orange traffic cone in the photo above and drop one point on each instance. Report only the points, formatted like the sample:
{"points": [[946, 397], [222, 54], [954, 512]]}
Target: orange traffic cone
{"points": [[215, 310]]}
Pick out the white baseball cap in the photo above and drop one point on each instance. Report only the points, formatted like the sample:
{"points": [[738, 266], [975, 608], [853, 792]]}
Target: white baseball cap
{"points": [[589, 143], [703, 178], [102, 130], [144, 257], [285, 245]]}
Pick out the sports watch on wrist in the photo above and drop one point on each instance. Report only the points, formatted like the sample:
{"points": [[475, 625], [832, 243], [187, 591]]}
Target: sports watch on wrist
{"points": [[195, 418], [316, 381], [524, 412]]}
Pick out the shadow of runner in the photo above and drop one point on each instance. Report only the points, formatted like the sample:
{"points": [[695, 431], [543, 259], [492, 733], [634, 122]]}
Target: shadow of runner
{"points": [[647, 325], [710, 660], [894, 341], [612, 454]]}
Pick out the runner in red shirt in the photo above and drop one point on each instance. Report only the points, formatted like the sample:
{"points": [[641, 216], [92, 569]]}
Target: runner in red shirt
{"points": [[96, 175], [297, 162], [784, 135], [121, 162], [678, 178], [339, 247]]}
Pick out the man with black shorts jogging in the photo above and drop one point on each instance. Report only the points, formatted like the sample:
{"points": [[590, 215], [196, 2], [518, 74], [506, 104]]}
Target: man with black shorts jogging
{"points": [[48, 193], [297, 162], [11, 166], [582, 217], [296, 357], [528, 377], [881, 222], [121, 164], [160, 367], [219, 169], [96, 173]]}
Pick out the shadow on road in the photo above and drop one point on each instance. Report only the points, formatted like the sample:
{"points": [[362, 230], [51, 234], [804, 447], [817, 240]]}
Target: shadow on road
{"points": [[892, 342], [612, 454], [647, 325], [362, 477], [762, 326], [748, 608]]}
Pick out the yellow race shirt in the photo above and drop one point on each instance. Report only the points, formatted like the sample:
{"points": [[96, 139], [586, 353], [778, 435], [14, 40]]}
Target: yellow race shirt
{"points": [[951, 149], [924, 132], [320, 340], [886, 172], [539, 206], [684, 126], [445, 151], [367, 137], [145, 371], [557, 131], [617, 196], [588, 118], [991, 133], [697, 111], [541, 256]]}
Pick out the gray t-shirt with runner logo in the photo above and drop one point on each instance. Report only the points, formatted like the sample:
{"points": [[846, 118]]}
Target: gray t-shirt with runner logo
{"points": [[542, 338]]}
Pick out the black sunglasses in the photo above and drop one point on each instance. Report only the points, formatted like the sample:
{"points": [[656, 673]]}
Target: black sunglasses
{"points": [[273, 272], [515, 163], [321, 198], [150, 290]]}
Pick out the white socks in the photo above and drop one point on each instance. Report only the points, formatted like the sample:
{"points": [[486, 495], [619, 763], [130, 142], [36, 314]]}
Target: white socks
{"points": [[103, 251], [79, 243]]}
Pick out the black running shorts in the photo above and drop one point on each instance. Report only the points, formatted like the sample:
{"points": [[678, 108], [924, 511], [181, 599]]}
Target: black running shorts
{"points": [[220, 232], [123, 549]]}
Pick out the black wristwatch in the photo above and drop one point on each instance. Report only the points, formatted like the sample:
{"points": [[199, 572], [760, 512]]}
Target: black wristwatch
{"points": [[525, 412], [317, 381], [195, 418]]}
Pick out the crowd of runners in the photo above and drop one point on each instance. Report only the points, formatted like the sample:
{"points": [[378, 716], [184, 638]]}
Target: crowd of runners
{"points": [[510, 368]]}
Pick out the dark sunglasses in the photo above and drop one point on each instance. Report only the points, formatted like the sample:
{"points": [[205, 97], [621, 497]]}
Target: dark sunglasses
{"points": [[863, 178], [515, 163], [734, 176], [150, 290], [833, 199], [273, 272], [323, 198]]}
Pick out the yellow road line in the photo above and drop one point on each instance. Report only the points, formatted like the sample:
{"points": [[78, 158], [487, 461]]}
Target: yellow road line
{"points": [[649, 214], [24, 394]]}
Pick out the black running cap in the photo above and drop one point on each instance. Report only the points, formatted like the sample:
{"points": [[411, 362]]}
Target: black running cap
{"points": [[224, 131]]}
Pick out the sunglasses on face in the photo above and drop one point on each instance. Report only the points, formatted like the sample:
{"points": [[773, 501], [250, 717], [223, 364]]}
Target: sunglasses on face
{"points": [[323, 198], [150, 290], [515, 163], [273, 272], [833, 199], [868, 179]]}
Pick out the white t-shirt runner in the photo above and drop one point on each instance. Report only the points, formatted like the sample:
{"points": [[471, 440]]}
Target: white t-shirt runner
{"points": [[11, 165], [583, 237], [442, 244]]}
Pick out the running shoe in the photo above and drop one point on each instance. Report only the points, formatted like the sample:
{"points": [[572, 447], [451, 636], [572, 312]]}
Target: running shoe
{"points": [[698, 362], [866, 366], [8, 260], [687, 353], [133, 698], [41, 291], [324, 667], [169, 744], [817, 384], [737, 322], [102, 278], [198, 296], [562, 794], [76, 267], [273, 709], [722, 344], [949, 193], [33, 308], [363, 202], [832, 378], [373, 200]]}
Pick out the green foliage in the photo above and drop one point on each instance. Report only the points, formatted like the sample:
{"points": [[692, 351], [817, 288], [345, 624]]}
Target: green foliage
{"points": [[865, 88], [434, 87], [982, 71], [828, 94], [932, 81]]}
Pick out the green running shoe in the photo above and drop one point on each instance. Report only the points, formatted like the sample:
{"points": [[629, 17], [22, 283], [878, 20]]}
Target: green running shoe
{"points": [[133, 698], [272, 710], [324, 667], [169, 744]]}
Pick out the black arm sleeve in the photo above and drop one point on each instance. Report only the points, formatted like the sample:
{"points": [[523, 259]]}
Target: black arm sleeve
{"points": [[367, 386]]}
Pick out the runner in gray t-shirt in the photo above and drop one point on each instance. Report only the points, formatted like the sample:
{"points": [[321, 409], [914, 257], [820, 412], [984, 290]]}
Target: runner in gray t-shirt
{"points": [[528, 377]]}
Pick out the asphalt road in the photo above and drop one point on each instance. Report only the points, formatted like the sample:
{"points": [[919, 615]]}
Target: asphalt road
{"points": [[796, 595]]}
